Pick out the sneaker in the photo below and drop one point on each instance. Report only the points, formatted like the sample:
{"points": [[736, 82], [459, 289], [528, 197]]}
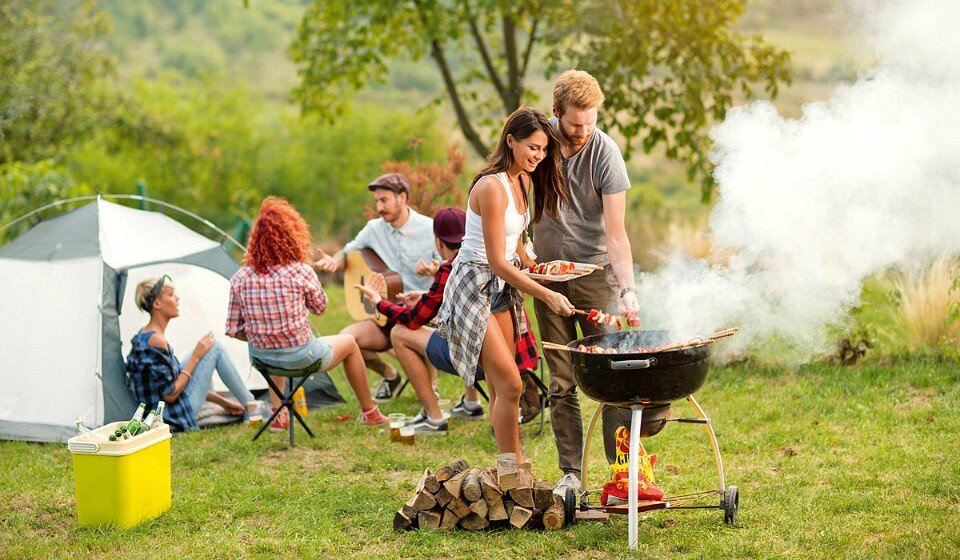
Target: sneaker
{"points": [[420, 417], [568, 480], [387, 389], [281, 422], [461, 411], [372, 417], [422, 426]]}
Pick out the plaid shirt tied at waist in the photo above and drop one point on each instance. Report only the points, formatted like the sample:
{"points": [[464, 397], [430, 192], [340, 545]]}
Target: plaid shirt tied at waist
{"points": [[465, 313], [428, 307]]}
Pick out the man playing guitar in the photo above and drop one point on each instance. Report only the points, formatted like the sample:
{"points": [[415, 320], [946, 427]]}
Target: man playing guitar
{"points": [[403, 239]]}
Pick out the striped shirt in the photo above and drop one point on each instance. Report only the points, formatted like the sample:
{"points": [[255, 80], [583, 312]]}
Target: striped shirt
{"points": [[272, 309]]}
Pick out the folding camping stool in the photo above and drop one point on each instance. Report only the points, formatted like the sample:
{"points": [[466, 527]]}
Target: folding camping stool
{"points": [[286, 399]]}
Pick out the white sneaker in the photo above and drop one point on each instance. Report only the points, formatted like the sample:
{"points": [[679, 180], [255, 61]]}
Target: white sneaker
{"points": [[569, 480]]}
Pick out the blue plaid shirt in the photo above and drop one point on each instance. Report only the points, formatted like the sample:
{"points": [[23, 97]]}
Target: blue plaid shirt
{"points": [[150, 375]]}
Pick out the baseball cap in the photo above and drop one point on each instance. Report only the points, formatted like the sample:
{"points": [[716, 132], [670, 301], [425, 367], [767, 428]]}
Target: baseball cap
{"points": [[392, 182], [449, 225]]}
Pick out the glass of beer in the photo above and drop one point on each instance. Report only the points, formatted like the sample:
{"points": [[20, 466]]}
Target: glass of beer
{"points": [[406, 435], [397, 421]]}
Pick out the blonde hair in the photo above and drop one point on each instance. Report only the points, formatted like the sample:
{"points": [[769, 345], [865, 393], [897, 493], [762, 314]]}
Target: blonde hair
{"points": [[577, 88], [143, 291]]}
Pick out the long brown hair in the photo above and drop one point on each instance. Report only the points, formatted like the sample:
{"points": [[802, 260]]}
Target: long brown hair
{"points": [[549, 186]]}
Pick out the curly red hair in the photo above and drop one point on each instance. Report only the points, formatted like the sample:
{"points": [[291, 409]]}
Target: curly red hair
{"points": [[279, 236]]}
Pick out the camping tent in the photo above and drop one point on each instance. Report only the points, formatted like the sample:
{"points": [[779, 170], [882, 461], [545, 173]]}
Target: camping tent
{"points": [[66, 290]]}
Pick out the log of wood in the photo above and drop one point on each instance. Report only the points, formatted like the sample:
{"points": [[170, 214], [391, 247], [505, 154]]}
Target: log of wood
{"points": [[488, 482], [459, 507], [480, 508], [407, 508], [449, 520], [508, 506], [553, 516], [444, 474], [430, 484], [520, 516], [423, 501], [507, 471], [472, 490], [497, 512], [455, 483], [522, 494], [443, 497], [428, 481], [401, 522], [429, 520], [474, 522], [542, 495]]}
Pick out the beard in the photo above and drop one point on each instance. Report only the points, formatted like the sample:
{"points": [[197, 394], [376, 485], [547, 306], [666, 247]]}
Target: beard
{"points": [[575, 141]]}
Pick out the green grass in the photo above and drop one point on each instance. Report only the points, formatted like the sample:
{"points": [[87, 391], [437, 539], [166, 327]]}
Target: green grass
{"points": [[831, 463]]}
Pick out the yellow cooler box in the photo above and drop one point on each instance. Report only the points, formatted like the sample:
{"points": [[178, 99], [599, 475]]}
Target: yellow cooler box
{"points": [[121, 482]]}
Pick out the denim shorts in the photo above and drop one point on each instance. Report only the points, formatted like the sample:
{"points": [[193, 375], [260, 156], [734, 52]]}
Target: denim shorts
{"points": [[500, 301], [438, 352], [296, 357]]}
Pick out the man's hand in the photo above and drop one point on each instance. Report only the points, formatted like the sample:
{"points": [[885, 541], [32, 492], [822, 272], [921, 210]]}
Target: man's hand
{"points": [[630, 308], [410, 298], [424, 268], [328, 263]]}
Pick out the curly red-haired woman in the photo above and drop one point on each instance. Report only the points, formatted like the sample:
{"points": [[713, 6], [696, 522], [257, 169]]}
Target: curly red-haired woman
{"points": [[271, 298]]}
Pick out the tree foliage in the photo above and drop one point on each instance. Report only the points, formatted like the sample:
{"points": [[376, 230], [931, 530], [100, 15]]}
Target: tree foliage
{"points": [[668, 67], [52, 66]]}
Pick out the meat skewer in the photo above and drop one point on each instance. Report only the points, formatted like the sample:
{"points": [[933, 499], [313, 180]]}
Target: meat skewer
{"points": [[598, 317]]}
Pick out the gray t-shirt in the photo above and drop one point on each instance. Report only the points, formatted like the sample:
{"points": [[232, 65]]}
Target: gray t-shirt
{"points": [[578, 233]]}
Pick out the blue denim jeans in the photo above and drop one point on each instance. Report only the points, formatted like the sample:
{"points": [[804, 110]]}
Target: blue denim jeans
{"points": [[296, 357], [201, 381]]}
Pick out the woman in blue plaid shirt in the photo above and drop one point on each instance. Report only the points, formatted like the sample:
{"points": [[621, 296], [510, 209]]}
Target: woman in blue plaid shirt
{"points": [[154, 372]]}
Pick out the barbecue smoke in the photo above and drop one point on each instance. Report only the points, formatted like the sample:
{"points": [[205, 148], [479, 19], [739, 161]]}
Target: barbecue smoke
{"points": [[810, 207]]}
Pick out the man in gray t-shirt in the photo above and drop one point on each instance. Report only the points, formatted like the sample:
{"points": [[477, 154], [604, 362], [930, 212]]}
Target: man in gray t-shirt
{"points": [[590, 229]]}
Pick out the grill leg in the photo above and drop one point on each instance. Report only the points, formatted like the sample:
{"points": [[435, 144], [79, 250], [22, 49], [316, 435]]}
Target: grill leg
{"points": [[633, 517], [713, 441], [584, 458]]}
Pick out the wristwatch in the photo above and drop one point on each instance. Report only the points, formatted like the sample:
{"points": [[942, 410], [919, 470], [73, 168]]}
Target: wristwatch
{"points": [[624, 291]]}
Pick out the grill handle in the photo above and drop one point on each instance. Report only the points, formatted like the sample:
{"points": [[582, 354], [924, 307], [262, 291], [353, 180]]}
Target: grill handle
{"points": [[627, 365]]}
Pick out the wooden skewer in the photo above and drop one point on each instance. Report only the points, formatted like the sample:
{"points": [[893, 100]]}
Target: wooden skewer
{"points": [[724, 333], [551, 346], [580, 312]]}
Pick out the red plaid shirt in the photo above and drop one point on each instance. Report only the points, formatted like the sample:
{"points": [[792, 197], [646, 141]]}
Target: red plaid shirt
{"points": [[427, 308], [272, 309]]}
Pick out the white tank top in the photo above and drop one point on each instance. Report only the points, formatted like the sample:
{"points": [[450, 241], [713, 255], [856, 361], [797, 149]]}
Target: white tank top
{"points": [[472, 248]]}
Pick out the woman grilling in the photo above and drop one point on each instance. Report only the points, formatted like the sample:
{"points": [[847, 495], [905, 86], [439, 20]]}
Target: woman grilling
{"points": [[482, 313]]}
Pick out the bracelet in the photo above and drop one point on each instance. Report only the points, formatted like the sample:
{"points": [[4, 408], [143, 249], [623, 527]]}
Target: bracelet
{"points": [[625, 291], [187, 373]]}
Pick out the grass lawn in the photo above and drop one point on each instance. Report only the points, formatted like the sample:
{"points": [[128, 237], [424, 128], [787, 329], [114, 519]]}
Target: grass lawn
{"points": [[831, 462]]}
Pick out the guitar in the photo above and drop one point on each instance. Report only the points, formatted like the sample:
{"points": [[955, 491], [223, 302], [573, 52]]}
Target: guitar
{"points": [[359, 265]]}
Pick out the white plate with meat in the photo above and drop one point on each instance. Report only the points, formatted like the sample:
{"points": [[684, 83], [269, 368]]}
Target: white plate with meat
{"points": [[559, 271]]}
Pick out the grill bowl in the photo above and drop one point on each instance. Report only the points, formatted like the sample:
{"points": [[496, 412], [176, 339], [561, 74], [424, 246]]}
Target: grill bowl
{"points": [[638, 378]]}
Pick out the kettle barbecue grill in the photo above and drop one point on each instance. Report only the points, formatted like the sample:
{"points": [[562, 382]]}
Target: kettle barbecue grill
{"points": [[631, 373]]}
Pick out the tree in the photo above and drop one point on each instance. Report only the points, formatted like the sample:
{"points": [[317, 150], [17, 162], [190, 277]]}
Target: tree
{"points": [[52, 65], [668, 67]]}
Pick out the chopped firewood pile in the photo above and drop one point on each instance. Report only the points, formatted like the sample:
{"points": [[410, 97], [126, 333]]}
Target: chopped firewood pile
{"points": [[477, 498]]}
